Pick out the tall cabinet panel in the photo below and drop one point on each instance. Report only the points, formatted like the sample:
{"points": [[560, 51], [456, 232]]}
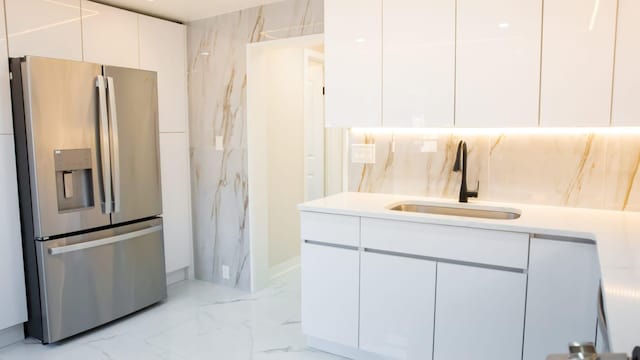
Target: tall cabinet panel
{"points": [[6, 122], [44, 28], [498, 63], [577, 62], [353, 62], [418, 62], [562, 297], [12, 297], [626, 85], [483, 309], [110, 35], [176, 199], [163, 49]]}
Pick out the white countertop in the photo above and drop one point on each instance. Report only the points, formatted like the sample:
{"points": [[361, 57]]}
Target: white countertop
{"points": [[616, 233]]}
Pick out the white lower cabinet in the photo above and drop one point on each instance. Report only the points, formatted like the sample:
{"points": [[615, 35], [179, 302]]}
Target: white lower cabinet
{"points": [[13, 309], [330, 287], [562, 298], [375, 288], [397, 296], [479, 311]]}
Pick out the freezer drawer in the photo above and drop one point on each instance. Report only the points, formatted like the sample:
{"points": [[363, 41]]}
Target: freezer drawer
{"points": [[91, 279]]}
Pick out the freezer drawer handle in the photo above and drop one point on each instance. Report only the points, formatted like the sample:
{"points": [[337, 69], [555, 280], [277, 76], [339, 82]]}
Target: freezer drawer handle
{"points": [[115, 144], [105, 152], [102, 242]]}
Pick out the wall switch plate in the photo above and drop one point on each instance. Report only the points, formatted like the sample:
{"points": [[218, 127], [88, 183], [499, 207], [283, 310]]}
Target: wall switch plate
{"points": [[429, 146], [225, 272], [219, 143], [363, 153]]}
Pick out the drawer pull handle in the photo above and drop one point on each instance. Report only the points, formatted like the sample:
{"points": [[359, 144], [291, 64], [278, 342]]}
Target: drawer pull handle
{"points": [[102, 242]]}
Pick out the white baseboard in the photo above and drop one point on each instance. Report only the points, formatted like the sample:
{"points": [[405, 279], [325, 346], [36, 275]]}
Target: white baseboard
{"points": [[11, 335], [284, 267], [341, 350], [177, 276]]}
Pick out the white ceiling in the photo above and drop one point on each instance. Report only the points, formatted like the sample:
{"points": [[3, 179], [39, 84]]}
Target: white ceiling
{"points": [[186, 10]]}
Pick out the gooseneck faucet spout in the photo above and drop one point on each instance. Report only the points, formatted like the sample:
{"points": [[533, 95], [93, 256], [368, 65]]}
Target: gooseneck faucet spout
{"points": [[461, 165]]}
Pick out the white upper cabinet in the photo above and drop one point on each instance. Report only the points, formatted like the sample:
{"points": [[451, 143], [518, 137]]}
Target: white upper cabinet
{"points": [[12, 297], [577, 62], [498, 63], [6, 121], [163, 48], [353, 62], [110, 35], [44, 28], [626, 85], [418, 63]]}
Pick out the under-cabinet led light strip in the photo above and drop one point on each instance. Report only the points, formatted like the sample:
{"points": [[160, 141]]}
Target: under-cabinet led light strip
{"points": [[493, 131]]}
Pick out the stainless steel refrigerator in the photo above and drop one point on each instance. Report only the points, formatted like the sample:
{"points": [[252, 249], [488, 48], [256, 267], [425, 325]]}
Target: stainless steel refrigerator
{"points": [[87, 148]]}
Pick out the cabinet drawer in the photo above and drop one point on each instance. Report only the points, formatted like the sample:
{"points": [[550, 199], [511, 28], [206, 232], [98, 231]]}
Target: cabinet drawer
{"points": [[497, 248], [329, 228]]}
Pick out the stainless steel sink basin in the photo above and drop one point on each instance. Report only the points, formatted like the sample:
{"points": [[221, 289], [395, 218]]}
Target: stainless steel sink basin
{"points": [[457, 211]]}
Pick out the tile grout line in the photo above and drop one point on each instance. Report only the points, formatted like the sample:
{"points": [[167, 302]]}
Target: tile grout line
{"points": [[613, 67], [540, 64]]}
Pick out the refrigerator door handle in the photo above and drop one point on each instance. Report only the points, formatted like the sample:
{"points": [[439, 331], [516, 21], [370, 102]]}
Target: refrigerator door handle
{"points": [[105, 152], [108, 241], [115, 144]]}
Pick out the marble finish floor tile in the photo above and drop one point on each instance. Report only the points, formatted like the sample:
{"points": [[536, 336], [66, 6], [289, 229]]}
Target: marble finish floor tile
{"points": [[199, 320]]}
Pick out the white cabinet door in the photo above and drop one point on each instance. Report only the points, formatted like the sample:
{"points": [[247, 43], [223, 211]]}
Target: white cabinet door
{"points": [[478, 311], [397, 298], [109, 35], [176, 200], [163, 48], [353, 62], [626, 85], [12, 297], [330, 286], [562, 297], [418, 63], [498, 63], [6, 121], [577, 62], [44, 28]]}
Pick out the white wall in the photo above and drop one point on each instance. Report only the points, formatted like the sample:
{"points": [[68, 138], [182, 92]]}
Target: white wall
{"points": [[275, 144], [285, 129]]}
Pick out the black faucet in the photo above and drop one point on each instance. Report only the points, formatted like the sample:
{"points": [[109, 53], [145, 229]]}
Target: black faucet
{"points": [[461, 164]]}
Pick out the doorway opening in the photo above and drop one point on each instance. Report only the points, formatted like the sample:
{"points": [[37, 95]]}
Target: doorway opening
{"points": [[292, 157]]}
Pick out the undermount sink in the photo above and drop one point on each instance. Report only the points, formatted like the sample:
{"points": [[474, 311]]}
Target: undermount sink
{"points": [[457, 211]]}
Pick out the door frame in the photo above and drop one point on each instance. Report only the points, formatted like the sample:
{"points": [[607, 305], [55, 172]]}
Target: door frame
{"points": [[257, 160]]}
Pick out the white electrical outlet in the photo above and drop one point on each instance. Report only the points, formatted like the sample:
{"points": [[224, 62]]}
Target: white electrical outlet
{"points": [[225, 272], [219, 143], [363, 153], [429, 146]]}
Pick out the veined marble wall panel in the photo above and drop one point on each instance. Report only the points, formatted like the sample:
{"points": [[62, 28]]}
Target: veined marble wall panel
{"points": [[579, 170], [217, 107]]}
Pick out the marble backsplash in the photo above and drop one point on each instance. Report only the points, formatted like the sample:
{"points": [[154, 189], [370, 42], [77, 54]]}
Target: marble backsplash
{"points": [[590, 170], [217, 107]]}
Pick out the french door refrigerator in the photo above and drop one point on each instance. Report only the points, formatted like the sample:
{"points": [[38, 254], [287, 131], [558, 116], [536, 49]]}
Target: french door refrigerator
{"points": [[87, 148]]}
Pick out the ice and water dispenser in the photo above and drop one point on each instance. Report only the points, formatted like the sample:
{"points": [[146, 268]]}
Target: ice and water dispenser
{"points": [[74, 179]]}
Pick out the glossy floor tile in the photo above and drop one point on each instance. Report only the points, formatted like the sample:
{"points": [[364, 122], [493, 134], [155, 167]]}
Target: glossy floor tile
{"points": [[198, 321]]}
